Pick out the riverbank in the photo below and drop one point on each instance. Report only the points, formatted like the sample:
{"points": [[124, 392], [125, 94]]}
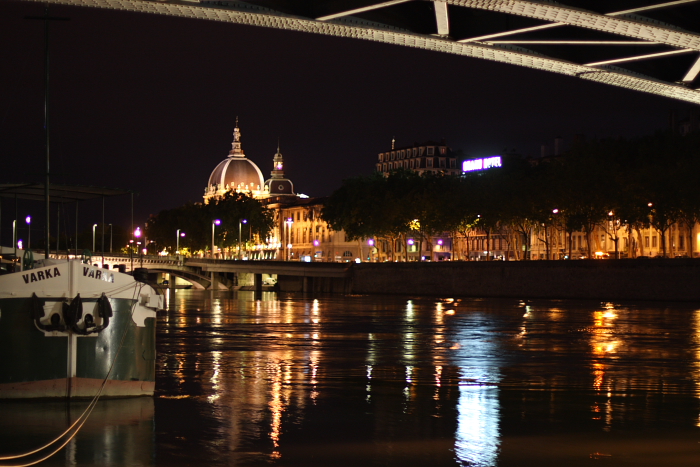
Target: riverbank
{"points": [[628, 279]]}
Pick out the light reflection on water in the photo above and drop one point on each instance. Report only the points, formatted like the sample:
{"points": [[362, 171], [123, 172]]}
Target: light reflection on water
{"points": [[360, 380]]}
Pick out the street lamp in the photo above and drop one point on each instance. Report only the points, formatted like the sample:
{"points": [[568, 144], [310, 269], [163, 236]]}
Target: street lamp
{"points": [[137, 234], [214, 223], [179, 234], [240, 221], [28, 220], [94, 226], [14, 235], [289, 223]]}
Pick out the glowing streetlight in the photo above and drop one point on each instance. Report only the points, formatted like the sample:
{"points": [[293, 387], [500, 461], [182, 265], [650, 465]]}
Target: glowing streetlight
{"points": [[28, 220], [240, 221], [179, 234], [137, 234], [289, 223], [214, 223]]}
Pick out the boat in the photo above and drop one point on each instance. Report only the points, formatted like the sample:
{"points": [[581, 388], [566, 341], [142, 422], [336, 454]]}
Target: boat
{"points": [[70, 329]]}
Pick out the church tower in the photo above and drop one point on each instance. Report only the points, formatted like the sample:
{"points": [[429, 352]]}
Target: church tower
{"points": [[278, 185]]}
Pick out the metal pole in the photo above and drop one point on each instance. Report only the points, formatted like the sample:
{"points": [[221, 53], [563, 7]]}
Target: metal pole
{"points": [[102, 249], [14, 227], [46, 125], [212, 240], [58, 229], [76, 229], [110, 239]]}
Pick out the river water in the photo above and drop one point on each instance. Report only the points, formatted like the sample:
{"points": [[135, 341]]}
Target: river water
{"points": [[301, 380]]}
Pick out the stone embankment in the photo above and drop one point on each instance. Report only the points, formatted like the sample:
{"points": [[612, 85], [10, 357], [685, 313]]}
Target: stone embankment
{"points": [[628, 279]]}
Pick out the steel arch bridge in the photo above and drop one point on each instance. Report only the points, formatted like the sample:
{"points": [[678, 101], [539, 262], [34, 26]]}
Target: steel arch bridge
{"points": [[642, 45]]}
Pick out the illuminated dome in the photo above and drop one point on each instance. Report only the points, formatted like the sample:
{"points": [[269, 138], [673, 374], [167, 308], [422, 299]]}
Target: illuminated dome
{"points": [[235, 173]]}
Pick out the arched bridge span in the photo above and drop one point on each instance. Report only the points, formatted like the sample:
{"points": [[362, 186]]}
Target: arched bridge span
{"points": [[642, 45]]}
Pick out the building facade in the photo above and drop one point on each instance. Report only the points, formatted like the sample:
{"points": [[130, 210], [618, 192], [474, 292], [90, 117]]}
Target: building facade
{"points": [[424, 157], [299, 233]]}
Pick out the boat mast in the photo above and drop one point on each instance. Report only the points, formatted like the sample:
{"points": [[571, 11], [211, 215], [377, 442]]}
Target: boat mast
{"points": [[46, 125], [46, 18]]}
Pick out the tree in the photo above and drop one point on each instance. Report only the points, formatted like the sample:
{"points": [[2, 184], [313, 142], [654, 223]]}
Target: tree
{"points": [[196, 220]]}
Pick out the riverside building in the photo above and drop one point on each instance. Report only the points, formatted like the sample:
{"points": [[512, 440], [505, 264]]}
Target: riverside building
{"points": [[299, 233]]}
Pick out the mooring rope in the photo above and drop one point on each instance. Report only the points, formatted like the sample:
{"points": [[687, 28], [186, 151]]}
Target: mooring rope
{"points": [[88, 410]]}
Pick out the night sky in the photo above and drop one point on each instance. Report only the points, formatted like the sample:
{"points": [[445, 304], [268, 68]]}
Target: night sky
{"points": [[148, 103]]}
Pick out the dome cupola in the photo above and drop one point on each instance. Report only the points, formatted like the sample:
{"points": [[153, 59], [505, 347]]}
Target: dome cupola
{"points": [[235, 173]]}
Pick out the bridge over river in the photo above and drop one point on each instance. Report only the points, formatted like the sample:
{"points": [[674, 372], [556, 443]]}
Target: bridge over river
{"points": [[624, 279], [234, 274]]}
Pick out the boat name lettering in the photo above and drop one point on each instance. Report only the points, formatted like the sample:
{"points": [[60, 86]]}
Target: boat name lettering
{"points": [[40, 275], [98, 274]]}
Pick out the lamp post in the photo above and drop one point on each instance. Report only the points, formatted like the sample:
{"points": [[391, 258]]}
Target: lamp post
{"points": [[214, 223], [370, 242], [94, 226], [177, 247], [110, 239], [14, 235], [240, 221], [28, 220], [137, 234], [289, 223]]}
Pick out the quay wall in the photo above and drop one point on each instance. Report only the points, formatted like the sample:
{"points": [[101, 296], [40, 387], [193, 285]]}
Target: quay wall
{"points": [[625, 279]]}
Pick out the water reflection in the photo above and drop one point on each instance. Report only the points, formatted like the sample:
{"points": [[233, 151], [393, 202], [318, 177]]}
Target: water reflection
{"points": [[119, 432], [330, 380]]}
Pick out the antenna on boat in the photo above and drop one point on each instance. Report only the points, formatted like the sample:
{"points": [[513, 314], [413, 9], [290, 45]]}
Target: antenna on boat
{"points": [[46, 18]]}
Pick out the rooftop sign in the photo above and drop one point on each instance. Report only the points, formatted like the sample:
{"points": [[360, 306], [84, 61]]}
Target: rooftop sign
{"points": [[481, 164]]}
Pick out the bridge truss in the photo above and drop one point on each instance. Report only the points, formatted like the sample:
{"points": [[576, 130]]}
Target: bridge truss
{"points": [[642, 45]]}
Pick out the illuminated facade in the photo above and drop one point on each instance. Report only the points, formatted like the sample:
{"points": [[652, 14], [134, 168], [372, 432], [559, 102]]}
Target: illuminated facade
{"points": [[236, 173], [304, 236], [299, 233]]}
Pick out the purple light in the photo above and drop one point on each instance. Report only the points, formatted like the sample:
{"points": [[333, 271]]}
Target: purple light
{"points": [[410, 241], [244, 221], [137, 232], [370, 242], [316, 242], [28, 220], [182, 234], [217, 221], [440, 242]]}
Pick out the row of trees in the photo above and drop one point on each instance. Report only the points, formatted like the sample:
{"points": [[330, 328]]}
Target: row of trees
{"points": [[608, 184], [195, 220]]}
